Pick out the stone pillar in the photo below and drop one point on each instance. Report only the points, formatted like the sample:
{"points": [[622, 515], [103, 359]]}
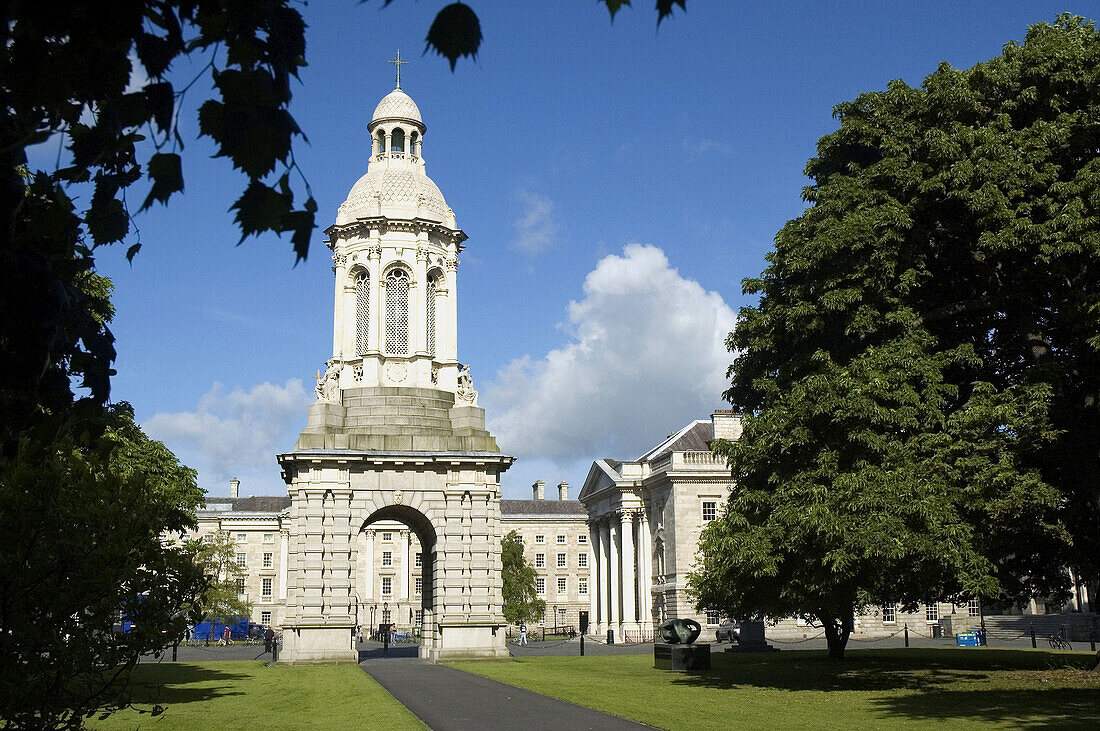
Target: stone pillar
{"points": [[451, 349], [369, 579], [284, 561], [341, 272], [645, 572], [614, 595], [349, 324], [630, 595], [376, 329], [594, 578], [418, 304]]}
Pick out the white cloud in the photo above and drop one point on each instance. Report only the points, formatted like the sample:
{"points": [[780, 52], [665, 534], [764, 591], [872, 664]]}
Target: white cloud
{"points": [[536, 229], [647, 356], [236, 433]]}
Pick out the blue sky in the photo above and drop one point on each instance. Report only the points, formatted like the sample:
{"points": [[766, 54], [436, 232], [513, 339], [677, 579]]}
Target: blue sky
{"points": [[616, 182]]}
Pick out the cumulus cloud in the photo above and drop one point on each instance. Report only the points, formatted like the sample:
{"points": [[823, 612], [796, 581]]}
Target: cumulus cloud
{"points": [[536, 229], [647, 355], [236, 433]]}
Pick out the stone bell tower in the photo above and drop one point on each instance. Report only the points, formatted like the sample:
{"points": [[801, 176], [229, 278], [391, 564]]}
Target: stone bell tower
{"points": [[396, 432]]}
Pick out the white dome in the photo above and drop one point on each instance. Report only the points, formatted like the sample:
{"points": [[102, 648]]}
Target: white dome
{"points": [[397, 105], [402, 193]]}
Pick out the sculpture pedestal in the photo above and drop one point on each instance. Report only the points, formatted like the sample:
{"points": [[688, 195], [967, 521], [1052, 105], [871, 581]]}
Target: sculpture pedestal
{"points": [[681, 657]]}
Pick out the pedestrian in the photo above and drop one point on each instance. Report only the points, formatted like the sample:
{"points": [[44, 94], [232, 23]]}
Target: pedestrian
{"points": [[227, 636], [358, 633], [522, 634], [393, 633], [269, 639]]}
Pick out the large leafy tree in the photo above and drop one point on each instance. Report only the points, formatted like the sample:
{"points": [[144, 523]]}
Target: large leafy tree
{"points": [[920, 379], [521, 602], [216, 554], [88, 516]]}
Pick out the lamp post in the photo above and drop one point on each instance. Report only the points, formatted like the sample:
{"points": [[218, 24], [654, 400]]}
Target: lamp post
{"points": [[373, 627]]}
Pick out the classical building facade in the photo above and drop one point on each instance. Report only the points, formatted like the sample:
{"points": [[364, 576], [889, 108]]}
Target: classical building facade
{"points": [[396, 433], [556, 543]]}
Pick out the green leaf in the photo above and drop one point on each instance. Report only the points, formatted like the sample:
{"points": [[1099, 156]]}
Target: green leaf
{"points": [[261, 208]]}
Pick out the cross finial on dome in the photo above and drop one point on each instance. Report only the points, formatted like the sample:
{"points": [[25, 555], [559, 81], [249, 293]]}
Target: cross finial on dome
{"points": [[398, 62]]}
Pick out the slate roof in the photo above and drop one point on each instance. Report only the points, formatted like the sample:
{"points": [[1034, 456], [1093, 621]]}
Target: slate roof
{"points": [[695, 437], [250, 504], [549, 508]]}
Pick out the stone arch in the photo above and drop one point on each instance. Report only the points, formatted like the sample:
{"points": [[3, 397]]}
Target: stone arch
{"points": [[421, 525]]}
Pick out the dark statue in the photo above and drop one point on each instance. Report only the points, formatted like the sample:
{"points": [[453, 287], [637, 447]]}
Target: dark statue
{"points": [[679, 631]]}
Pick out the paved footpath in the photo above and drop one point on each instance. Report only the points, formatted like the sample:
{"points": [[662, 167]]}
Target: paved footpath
{"points": [[446, 699]]}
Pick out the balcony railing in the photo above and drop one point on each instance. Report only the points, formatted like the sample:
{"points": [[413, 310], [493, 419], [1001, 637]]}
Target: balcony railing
{"points": [[688, 461]]}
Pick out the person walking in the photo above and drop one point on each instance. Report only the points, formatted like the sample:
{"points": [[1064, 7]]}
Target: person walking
{"points": [[522, 634], [393, 634], [269, 639]]}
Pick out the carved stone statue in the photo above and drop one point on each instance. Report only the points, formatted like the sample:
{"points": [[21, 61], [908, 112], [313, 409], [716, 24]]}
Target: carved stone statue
{"points": [[679, 631], [466, 393], [328, 385]]}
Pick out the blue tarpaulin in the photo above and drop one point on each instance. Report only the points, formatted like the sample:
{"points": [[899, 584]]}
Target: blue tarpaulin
{"points": [[212, 629]]}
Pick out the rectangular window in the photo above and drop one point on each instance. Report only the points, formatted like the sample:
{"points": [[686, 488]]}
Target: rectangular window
{"points": [[710, 510], [561, 539], [265, 617], [540, 560], [563, 560], [387, 536], [386, 616], [241, 558], [419, 584], [932, 613], [540, 539], [582, 561], [889, 614], [418, 617], [561, 584], [265, 588], [582, 538], [540, 586], [418, 562], [267, 560], [582, 585], [712, 617], [240, 587], [387, 584], [269, 537], [974, 607], [562, 616], [242, 538], [387, 558]]}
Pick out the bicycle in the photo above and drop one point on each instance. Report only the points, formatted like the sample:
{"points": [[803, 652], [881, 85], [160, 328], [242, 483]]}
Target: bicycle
{"points": [[1057, 643]]}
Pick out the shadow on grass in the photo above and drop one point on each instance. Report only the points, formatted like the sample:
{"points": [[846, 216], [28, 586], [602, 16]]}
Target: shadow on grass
{"points": [[930, 684], [169, 683]]}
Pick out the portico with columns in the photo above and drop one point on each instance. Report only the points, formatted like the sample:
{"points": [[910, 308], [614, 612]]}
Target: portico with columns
{"points": [[644, 520]]}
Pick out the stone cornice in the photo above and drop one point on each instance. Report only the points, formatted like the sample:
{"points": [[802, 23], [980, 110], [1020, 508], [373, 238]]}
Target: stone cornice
{"points": [[319, 456], [362, 227]]}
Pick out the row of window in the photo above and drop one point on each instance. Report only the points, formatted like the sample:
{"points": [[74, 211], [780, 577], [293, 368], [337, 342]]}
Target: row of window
{"points": [[563, 585], [931, 611], [243, 538], [265, 587], [563, 560], [268, 560], [582, 539]]}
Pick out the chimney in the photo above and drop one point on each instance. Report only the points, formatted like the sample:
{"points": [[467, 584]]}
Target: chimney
{"points": [[234, 485], [727, 424], [537, 490], [563, 490]]}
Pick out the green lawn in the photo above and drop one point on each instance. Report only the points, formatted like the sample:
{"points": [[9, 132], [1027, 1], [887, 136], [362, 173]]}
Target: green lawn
{"points": [[958, 687], [249, 695]]}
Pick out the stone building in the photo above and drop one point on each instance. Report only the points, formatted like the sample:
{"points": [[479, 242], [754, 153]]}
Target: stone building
{"points": [[556, 543]]}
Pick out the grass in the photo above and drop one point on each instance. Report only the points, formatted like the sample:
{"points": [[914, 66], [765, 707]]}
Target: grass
{"points": [[249, 695], [903, 688]]}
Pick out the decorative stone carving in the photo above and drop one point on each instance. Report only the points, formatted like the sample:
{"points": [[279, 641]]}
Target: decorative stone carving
{"points": [[328, 385], [435, 375], [340, 259], [357, 373], [398, 498], [451, 263], [374, 252], [466, 393], [397, 372]]}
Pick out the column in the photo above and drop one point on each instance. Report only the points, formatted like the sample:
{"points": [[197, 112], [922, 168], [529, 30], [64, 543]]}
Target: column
{"points": [[369, 581], [614, 593], [418, 304], [645, 572], [406, 538], [593, 578], [376, 328], [630, 595], [349, 324], [284, 562], [450, 351], [341, 272]]}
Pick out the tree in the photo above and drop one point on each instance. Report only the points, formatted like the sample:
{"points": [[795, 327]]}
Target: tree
{"points": [[87, 514], [920, 379], [521, 602], [216, 554]]}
